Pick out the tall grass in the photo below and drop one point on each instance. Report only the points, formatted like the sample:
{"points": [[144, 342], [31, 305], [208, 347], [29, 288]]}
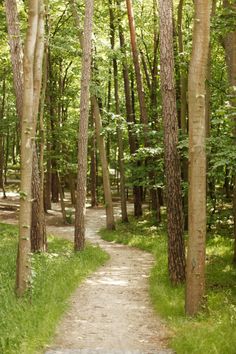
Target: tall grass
{"points": [[213, 331], [27, 324]]}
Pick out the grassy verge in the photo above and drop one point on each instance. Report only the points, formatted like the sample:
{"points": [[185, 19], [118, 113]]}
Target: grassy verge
{"points": [[26, 325], [214, 330]]}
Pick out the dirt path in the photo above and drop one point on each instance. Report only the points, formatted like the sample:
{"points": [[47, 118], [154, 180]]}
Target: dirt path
{"points": [[111, 311]]}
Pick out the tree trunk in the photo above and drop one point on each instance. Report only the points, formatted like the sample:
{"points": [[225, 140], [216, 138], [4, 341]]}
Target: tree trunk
{"points": [[195, 286], [13, 30], [38, 229], [110, 222], [83, 129], [27, 141], [124, 215], [2, 140], [133, 144], [139, 82], [93, 169], [176, 251]]}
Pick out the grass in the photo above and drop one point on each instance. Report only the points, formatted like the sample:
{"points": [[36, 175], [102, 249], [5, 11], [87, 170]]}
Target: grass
{"points": [[27, 324], [213, 331]]}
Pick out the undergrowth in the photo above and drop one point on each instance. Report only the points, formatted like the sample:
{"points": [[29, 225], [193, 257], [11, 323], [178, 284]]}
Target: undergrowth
{"points": [[27, 324], [213, 331]]}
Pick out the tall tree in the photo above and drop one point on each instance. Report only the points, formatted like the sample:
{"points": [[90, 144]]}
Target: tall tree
{"points": [[38, 230], [176, 251], [133, 143], [79, 239], [195, 285], [110, 221], [124, 215], [13, 30], [32, 73], [138, 75]]}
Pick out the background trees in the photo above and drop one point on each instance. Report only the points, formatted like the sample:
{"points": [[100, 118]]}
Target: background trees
{"points": [[137, 72]]}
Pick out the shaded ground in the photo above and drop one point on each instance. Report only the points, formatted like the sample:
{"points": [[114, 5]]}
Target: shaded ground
{"points": [[111, 311]]}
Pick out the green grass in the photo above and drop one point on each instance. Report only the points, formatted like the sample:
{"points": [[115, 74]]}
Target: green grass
{"points": [[26, 325], [214, 330]]}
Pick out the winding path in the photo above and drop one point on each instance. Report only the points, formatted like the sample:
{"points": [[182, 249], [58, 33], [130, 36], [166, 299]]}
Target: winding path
{"points": [[110, 312]]}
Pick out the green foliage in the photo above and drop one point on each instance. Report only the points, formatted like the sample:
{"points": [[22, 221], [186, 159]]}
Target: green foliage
{"points": [[26, 325], [214, 330]]}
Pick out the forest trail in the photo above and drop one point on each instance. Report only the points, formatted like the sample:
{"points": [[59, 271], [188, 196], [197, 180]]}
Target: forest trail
{"points": [[110, 313]]}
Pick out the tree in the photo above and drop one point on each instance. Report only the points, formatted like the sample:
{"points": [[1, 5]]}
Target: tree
{"points": [[79, 239], [195, 285], [32, 72], [16, 52], [133, 143], [124, 215], [176, 251], [110, 221], [38, 229]]}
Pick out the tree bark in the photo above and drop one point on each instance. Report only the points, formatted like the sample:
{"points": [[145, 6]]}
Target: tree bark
{"points": [[133, 144], [138, 75], [176, 251], [2, 139], [79, 239], [13, 30], [110, 222], [195, 286], [124, 214], [38, 229], [27, 141]]}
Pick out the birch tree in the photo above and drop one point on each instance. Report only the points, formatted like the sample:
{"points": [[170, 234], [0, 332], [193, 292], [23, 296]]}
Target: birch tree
{"points": [[32, 72]]}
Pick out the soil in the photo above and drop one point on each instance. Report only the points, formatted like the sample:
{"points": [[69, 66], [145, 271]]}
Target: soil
{"points": [[110, 313]]}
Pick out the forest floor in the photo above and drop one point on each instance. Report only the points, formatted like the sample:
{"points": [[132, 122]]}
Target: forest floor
{"points": [[111, 312]]}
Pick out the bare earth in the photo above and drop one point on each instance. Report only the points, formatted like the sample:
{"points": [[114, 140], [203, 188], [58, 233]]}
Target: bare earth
{"points": [[110, 312]]}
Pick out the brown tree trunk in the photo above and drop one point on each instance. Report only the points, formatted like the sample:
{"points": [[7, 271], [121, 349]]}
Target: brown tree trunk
{"points": [[139, 82], [79, 239], [183, 73], [28, 126], [110, 222], [195, 286], [2, 140], [93, 169], [38, 229], [133, 144], [176, 251], [124, 215]]}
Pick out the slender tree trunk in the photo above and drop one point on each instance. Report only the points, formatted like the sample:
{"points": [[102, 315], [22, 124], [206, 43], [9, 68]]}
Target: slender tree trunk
{"points": [[93, 169], [195, 286], [42, 223], [27, 140], [133, 144], [124, 215], [110, 222], [38, 229], [183, 73], [139, 82], [176, 251], [13, 29], [63, 207], [2, 140], [83, 129]]}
